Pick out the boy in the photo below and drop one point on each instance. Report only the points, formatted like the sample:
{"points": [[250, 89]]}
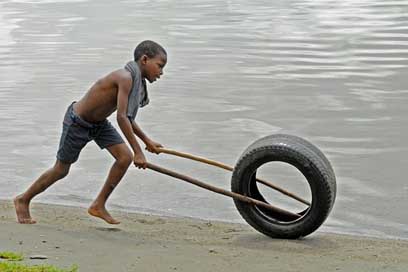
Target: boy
{"points": [[123, 90]]}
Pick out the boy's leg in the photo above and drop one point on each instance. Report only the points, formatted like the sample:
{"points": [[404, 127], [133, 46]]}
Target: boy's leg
{"points": [[123, 158], [22, 202]]}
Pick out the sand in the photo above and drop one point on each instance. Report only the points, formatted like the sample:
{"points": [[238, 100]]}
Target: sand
{"points": [[67, 235]]}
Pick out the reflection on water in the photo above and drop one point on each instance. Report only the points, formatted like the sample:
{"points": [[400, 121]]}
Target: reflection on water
{"points": [[332, 71]]}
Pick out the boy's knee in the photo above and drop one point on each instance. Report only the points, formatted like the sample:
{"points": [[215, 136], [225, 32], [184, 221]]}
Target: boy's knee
{"points": [[61, 170], [125, 159]]}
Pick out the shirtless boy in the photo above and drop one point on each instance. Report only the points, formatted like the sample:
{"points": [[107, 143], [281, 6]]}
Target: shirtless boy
{"points": [[123, 91]]}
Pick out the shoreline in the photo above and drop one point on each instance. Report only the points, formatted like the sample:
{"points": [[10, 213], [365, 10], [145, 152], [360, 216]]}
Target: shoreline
{"points": [[118, 209], [67, 236]]}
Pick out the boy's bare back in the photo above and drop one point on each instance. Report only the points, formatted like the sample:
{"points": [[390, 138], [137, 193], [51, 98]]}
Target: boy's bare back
{"points": [[101, 99]]}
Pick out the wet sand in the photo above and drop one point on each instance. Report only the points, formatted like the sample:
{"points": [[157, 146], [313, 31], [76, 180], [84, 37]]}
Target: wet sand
{"points": [[67, 235]]}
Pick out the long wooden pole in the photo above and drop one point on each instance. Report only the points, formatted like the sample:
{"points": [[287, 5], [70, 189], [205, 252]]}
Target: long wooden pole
{"points": [[229, 168], [219, 190]]}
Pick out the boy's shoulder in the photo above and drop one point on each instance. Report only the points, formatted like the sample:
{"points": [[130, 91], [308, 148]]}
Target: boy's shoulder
{"points": [[121, 77], [122, 74]]}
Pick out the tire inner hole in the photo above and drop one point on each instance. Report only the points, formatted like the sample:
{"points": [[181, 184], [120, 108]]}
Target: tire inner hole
{"points": [[284, 176]]}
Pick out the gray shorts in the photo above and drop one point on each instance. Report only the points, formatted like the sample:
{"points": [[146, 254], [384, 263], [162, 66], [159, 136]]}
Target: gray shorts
{"points": [[77, 132]]}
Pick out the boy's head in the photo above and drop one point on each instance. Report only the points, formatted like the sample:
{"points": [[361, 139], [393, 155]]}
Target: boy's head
{"points": [[151, 58]]}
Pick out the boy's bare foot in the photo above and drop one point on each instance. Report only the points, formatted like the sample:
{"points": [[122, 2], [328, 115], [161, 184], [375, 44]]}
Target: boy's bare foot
{"points": [[22, 211], [103, 214]]}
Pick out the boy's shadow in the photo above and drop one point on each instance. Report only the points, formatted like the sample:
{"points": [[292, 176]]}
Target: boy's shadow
{"points": [[108, 229]]}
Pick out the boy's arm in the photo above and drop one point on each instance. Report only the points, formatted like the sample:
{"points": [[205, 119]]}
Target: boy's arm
{"points": [[124, 87], [139, 133], [150, 145]]}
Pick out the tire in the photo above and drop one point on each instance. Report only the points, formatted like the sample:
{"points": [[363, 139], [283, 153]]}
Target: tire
{"points": [[296, 139], [286, 137], [309, 161]]}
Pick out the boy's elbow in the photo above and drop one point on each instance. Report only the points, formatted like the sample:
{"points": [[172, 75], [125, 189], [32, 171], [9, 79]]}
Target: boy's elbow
{"points": [[120, 118]]}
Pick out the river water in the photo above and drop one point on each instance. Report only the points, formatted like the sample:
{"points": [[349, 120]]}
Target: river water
{"points": [[334, 72]]}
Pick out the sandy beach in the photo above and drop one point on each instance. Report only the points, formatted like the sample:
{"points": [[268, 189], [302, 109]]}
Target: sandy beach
{"points": [[67, 236]]}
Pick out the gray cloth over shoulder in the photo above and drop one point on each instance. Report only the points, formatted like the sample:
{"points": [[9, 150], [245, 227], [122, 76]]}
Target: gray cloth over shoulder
{"points": [[138, 95]]}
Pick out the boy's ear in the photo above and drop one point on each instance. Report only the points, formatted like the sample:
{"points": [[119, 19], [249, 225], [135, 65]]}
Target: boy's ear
{"points": [[144, 59]]}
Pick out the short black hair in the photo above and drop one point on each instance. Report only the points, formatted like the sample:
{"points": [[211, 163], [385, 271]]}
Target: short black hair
{"points": [[148, 48]]}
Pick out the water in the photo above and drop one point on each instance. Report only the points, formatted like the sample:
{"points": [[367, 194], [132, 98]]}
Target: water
{"points": [[334, 72]]}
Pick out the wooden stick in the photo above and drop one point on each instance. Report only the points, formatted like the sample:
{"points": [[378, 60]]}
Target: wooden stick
{"points": [[219, 190], [227, 167]]}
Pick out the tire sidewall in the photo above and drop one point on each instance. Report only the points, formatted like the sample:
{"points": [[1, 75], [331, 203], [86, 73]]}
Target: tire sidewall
{"points": [[309, 164]]}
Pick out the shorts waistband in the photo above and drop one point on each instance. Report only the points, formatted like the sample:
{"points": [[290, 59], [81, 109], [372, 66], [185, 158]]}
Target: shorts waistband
{"points": [[77, 119]]}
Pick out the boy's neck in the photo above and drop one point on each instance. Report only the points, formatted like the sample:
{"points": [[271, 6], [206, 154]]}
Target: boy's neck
{"points": [[140, 68]]}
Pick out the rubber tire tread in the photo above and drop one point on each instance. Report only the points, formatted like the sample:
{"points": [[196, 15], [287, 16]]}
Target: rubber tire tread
{"points": [[318, 173], [296, 139]]}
